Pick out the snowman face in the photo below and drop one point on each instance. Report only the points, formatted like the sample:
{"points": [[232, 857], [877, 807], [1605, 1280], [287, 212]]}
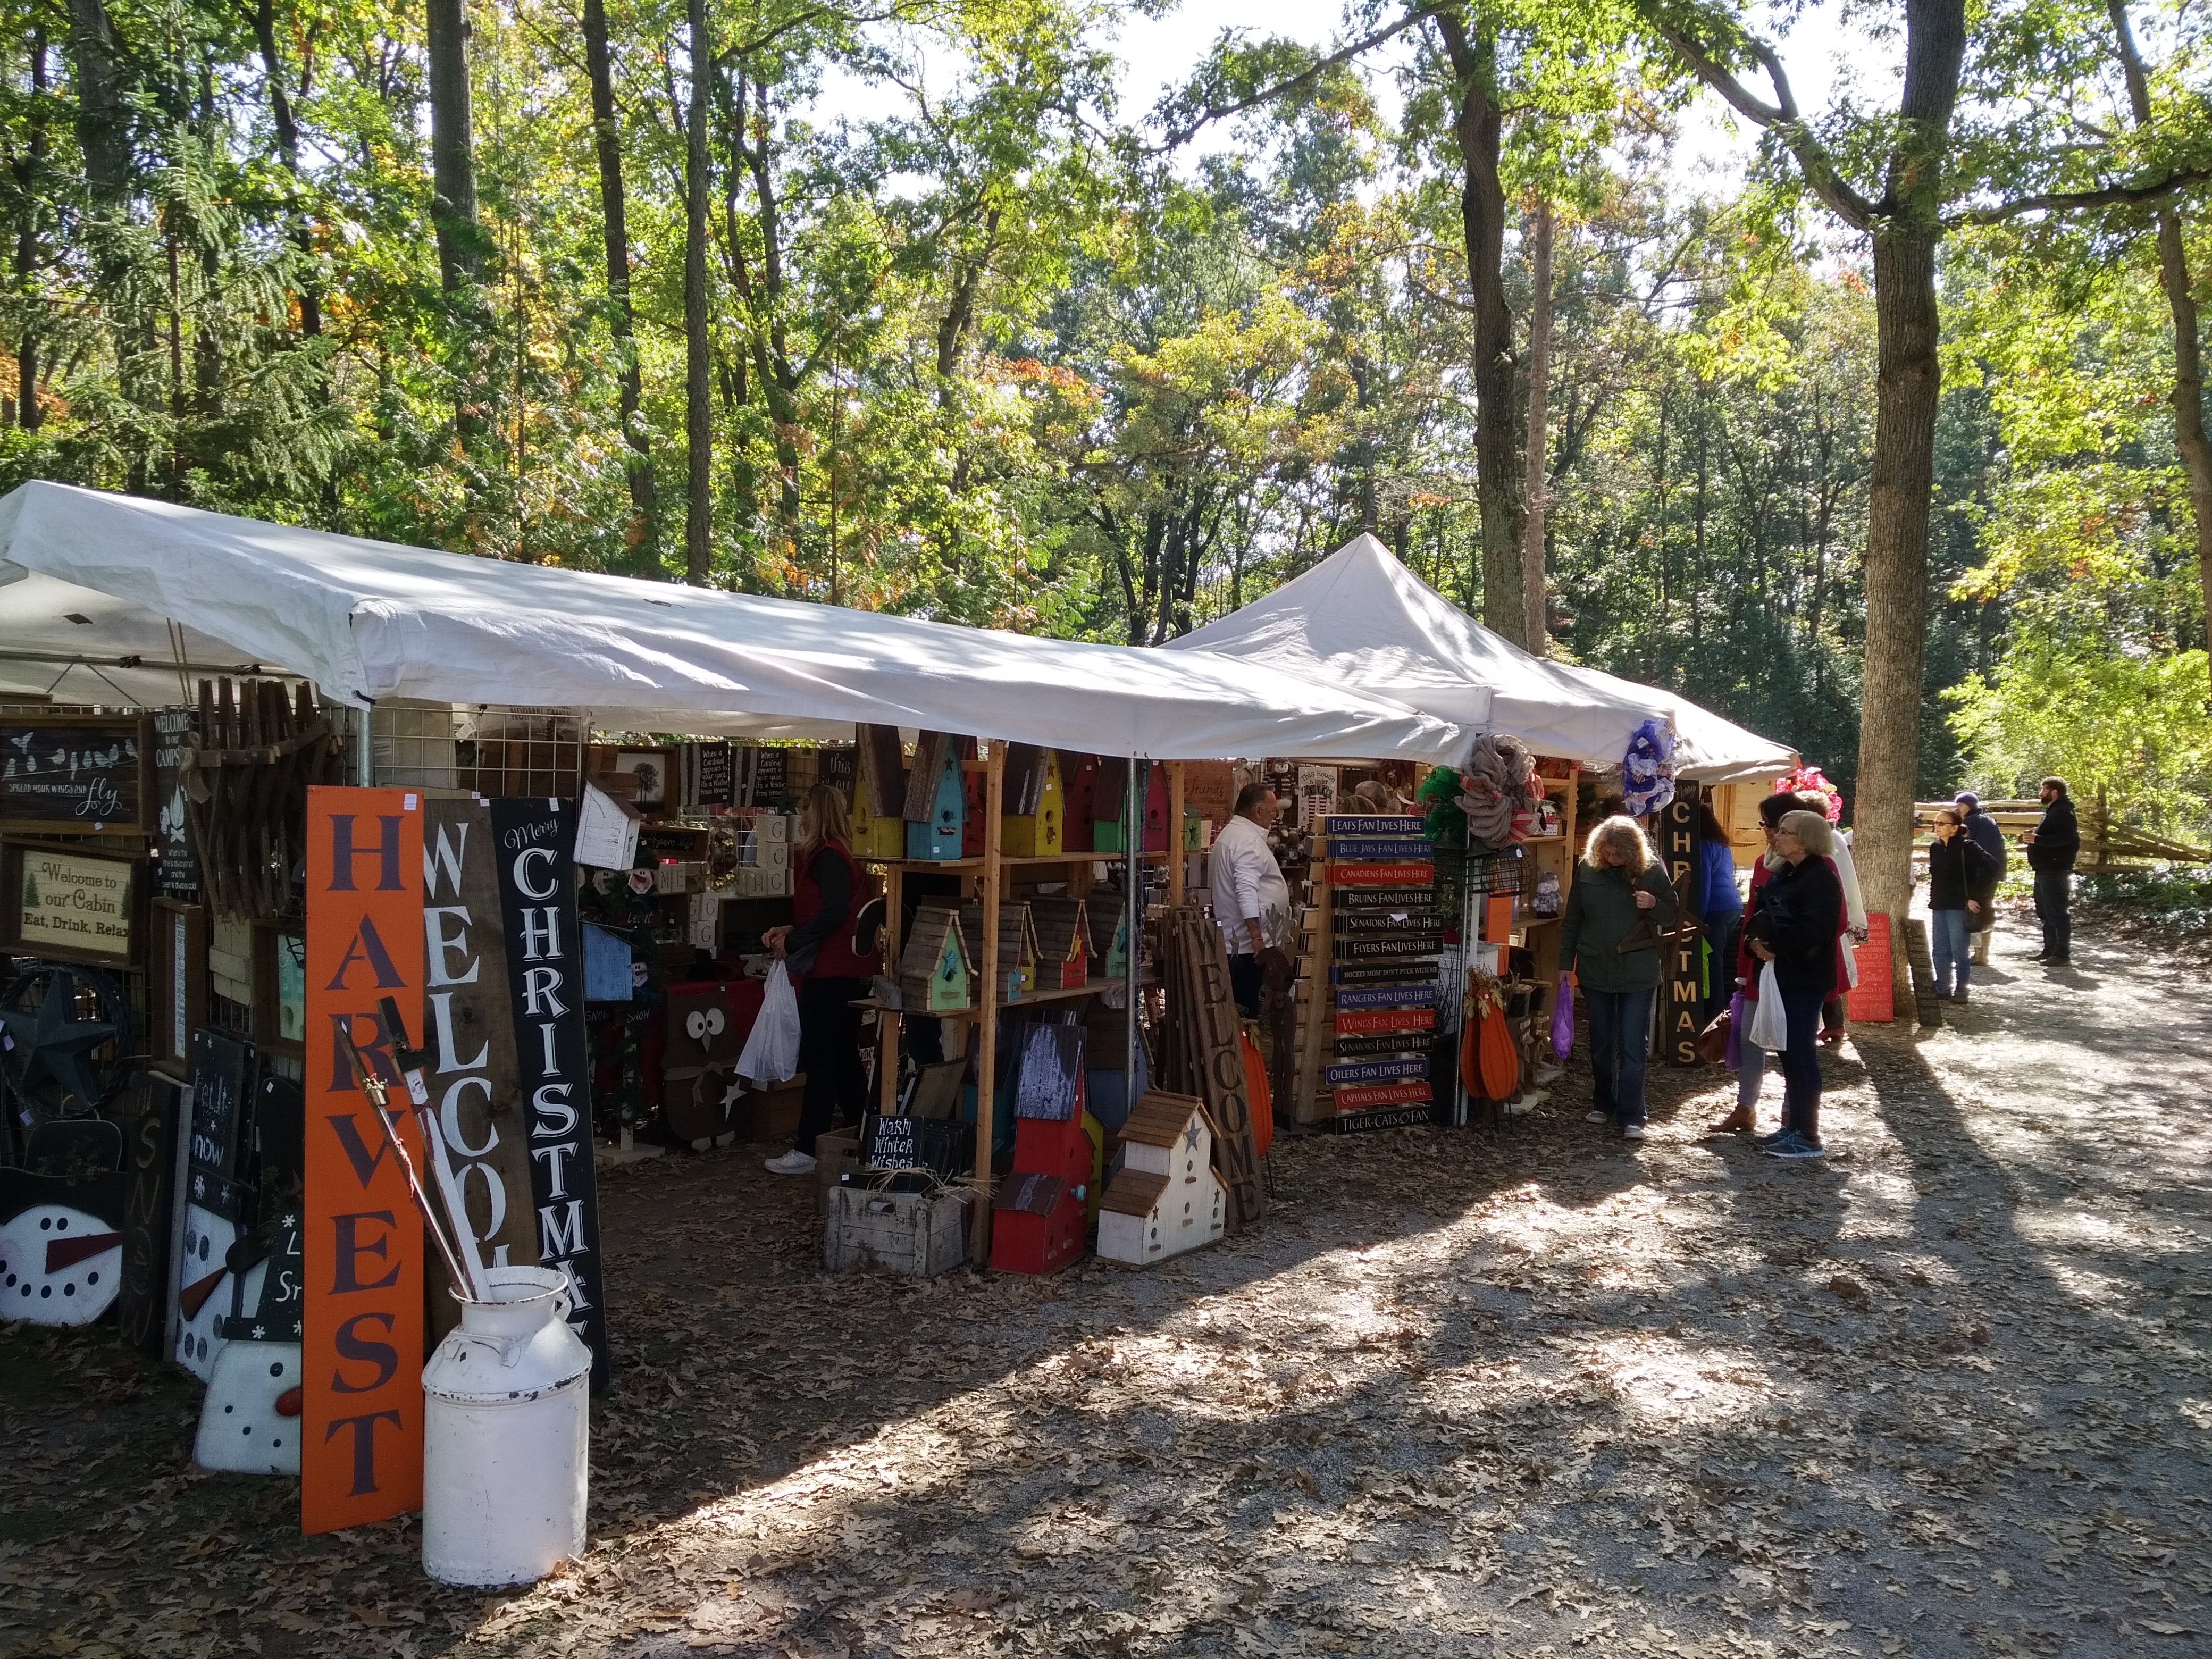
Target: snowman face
{"points": [[249, 1420], [58, 1266], [208, 1239]]}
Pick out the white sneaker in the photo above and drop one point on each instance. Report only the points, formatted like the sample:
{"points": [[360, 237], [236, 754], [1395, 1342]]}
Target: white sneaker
{"points": [[1594, 1115], [1631, 1132], [794, 1162]]}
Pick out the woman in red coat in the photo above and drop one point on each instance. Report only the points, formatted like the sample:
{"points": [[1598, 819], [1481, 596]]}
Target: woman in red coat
{"points": [[820, 950]]}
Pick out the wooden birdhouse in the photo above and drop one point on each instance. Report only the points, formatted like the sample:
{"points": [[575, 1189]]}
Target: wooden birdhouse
{"points": [[1167, 1198], [936, 800], [1063, 936], [934, 968], [1156, 808], [1036, 1223], [1035, 809], [878, 794], [1114, 963], [1078, 789], [976, 784], [1109, 794], [1018, 954]]}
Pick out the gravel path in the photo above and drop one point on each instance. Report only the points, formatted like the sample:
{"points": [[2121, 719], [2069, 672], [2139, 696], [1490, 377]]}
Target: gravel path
{"points": [[1945, 1393]]}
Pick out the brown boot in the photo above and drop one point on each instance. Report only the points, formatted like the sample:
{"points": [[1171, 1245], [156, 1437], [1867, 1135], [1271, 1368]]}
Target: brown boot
{"points": [[1742, 1121]]}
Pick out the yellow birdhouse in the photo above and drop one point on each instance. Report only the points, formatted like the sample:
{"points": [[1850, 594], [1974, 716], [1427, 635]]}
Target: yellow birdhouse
{"points": [[1036, 808]]}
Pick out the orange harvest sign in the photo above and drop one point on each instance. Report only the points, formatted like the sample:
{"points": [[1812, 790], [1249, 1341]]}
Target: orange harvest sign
{"points": [[361, 1455]]}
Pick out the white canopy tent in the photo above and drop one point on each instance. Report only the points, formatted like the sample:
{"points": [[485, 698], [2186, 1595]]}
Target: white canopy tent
{"points": [[368, 621], [1360, 618]]}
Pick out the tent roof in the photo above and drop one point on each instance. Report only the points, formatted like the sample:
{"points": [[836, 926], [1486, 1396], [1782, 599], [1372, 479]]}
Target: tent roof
{"points": [[368, 621], [1361, 618]]}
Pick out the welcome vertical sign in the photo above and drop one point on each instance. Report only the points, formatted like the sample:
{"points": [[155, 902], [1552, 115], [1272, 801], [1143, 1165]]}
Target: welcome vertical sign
{"points": [[361, 1454], [536, 839]]}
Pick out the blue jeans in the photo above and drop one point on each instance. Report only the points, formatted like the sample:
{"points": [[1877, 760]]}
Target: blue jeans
{"points": [[2054, 899], [1948, 942], [1620, 1040], [1801, 1064]]}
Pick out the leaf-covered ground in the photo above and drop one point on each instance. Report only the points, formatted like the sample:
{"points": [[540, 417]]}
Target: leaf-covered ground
{"points": [[1945, 1394]]}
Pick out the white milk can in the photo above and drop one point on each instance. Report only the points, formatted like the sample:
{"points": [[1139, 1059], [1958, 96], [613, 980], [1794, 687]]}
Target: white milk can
{"points": [[507, 1436]]}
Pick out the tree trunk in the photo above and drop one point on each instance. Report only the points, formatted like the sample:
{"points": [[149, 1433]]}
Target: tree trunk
{"points": [[1908, 384], [698, 411], [452, 145], [644, 497], [1539, 393], [2188, 396], [1479, 124], [103, 131], [288, 150], [28, 414]]}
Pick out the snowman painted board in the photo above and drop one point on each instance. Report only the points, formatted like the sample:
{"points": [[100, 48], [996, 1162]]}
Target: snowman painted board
{"points": [[206, 1286], [250, 1416], [61, 1246]]}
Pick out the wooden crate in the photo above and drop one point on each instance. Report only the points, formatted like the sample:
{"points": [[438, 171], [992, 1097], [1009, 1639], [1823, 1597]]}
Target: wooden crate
{"points": [[835, 1155], [769, 1113], [901, 1232]]}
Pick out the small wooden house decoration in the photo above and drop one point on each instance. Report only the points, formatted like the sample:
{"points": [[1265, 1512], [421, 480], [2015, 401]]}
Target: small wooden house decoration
{"points": [[1018, 954], [976, 784], [1114, 966], [1110, 806], [1063, 943], [1078, 789], [934, 970], [878, 794], [1035, 811], [1036, 1223], [1156, 808], [936, 800], [1166, 1200]]}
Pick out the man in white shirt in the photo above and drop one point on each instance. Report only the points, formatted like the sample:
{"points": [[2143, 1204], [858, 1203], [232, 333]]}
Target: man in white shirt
{"points": [[1252, 902]]}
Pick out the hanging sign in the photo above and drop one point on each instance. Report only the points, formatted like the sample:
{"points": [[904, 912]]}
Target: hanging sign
{"points": [[475, 1080], [1682, 987], [75, 774], [545, 990], [361, 1453], [176, 857]]}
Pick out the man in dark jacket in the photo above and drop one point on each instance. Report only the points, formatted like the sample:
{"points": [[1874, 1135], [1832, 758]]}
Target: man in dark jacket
{"points": [[1983, 831], [2052, 847]]}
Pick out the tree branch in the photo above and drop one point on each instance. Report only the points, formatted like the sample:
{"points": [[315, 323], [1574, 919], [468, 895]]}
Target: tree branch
{"points": [[1178, 137], [2074, 201], [1781, 116]]}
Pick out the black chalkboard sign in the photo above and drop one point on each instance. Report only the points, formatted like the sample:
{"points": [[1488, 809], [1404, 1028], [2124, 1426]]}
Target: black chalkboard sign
{"points": [[223, 1069], [83, 774], [771, 778], [176, 859], [914, 1143], [713, 776], [838, 768]]}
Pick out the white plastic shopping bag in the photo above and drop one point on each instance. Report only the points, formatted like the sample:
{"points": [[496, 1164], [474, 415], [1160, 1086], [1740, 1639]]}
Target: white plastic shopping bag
{"points": [[772, 1051], [1770, 1024]]}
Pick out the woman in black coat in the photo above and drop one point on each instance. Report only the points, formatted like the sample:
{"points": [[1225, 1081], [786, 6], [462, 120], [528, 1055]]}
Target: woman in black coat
{"points": [[1961, 877], [1798, 918]]}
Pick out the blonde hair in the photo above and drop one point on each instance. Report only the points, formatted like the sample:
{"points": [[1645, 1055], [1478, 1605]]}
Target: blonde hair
{"points": [[824, 816], [1626, 834], [1812, 829]]}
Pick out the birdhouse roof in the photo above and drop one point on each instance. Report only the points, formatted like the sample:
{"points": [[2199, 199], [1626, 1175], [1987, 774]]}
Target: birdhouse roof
{"points": [[1160, 1118], [882, 770], [1062, 924], [1026, 765], [924, 945], [1017, 933], [1133, 1192], [1031, 1193]]}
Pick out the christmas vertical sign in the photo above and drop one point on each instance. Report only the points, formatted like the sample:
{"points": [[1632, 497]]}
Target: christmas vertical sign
{"points": [[546, 976], [1681, 991], [361, 1453]]}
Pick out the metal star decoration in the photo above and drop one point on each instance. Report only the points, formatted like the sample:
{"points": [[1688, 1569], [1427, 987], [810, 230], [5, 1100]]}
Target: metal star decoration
{"points": [[51, 1042]]}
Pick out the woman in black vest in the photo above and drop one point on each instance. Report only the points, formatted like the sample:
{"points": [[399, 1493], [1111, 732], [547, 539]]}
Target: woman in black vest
{"points": [[820, 950]]}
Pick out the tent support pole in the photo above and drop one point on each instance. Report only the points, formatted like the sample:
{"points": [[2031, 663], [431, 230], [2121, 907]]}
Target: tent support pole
{"points": [[364, 750], [986, 1056], [1133, 870]]}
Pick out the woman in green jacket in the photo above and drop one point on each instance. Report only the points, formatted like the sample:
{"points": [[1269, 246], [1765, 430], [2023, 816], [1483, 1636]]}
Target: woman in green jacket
{"points": [[1621, 902]]}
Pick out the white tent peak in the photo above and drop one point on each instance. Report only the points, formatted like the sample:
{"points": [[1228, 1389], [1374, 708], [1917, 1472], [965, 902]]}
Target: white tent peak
{"points": [[1361, 618]]}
